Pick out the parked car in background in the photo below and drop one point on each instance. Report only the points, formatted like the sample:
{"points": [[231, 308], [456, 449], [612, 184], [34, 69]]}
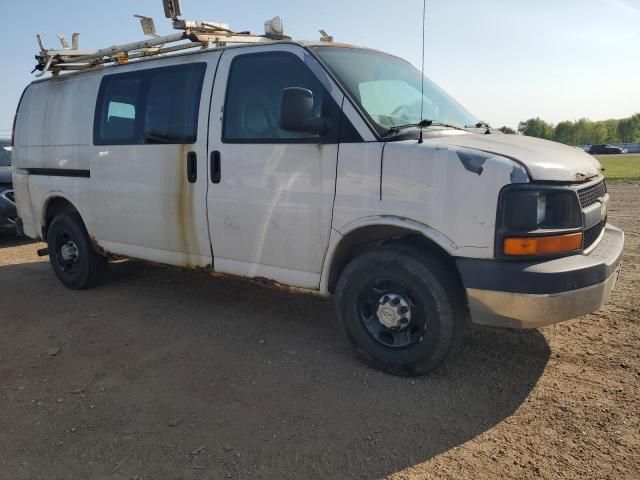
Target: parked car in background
{"points": [[8, 211], [606, 150]]}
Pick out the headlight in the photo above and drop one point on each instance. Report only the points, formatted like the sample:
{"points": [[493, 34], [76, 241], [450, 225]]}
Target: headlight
{"points": [[538, 220], [530, 209]]}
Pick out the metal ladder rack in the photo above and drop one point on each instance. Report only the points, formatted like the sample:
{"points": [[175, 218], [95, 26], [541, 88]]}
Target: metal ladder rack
{"points": [[194, 34]]}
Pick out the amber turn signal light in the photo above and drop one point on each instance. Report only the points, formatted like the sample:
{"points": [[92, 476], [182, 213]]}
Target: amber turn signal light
{"points": [[542, 245]]}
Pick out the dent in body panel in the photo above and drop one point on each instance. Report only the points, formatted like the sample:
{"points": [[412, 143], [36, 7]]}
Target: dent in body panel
{"points": [[231, 223]]}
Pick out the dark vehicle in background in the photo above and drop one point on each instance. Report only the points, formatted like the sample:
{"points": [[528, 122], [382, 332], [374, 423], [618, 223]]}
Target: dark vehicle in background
{"points": [[606, 150], [8, 212]]}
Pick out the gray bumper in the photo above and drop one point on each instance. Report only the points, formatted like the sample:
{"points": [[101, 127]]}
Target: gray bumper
{"points": [[530, 295]]}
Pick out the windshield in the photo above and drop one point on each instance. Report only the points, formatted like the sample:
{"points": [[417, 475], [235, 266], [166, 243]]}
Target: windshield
{"points": [[389, 89], [5, 157]]}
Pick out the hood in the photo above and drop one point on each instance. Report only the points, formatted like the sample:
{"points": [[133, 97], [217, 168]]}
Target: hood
{"points": [[544, 160], [5, 175]]}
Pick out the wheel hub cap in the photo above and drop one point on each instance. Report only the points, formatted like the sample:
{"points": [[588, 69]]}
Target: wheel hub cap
{"points": [[394, 311], [69, 252]]}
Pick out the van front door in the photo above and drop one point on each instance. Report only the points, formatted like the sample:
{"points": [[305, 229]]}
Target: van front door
{"points": [[150, 167], [271, 195]]}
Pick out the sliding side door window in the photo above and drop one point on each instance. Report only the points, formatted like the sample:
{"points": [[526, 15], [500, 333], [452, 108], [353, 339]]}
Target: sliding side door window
{"points": [[159, 105]]}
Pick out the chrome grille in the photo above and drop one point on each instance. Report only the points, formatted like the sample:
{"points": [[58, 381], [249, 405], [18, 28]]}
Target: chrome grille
{"points": [[589, 196], [592, 234]]}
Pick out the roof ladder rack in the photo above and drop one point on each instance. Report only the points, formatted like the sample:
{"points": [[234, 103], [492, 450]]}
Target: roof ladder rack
{"points": [[194, 34]]}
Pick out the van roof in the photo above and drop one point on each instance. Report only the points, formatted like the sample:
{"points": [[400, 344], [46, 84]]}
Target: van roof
{"points": [[101, 67]]}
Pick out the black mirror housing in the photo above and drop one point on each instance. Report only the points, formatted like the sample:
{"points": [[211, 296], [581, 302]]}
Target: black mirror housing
{"points": [[296, 113]]}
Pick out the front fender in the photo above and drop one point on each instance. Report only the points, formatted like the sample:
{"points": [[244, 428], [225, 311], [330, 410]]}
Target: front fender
{"points": [[400, 224]]}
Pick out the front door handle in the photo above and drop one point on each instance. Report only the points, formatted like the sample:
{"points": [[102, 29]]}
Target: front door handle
{"points": [[216, 173], [192, 167]]}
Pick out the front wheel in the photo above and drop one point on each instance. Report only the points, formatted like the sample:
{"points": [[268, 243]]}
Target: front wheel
{"points": [[403, 309], [71, 253]]}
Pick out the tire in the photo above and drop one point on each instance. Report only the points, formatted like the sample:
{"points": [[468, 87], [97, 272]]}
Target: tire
{"points": [[72, 254], [421, 303]]}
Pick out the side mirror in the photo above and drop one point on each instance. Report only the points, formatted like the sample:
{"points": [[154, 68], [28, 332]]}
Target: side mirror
{"points": [[296, 113]]}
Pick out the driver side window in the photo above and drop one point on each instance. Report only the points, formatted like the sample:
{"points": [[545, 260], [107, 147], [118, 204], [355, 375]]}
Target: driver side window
{"points": [[254, 97]]}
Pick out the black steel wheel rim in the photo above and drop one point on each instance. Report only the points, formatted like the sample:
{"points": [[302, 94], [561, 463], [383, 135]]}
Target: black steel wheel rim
{"points": [[64, 242], [403, 328]]}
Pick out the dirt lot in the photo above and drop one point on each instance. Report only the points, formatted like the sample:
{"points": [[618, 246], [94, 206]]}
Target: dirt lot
{"points": [[169, 374]]}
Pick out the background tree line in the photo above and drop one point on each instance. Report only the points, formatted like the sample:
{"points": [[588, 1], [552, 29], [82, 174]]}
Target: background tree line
{"points": [[583, 131]]}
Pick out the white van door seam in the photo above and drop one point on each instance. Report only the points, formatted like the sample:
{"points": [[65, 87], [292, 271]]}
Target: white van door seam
{"points": [[207, 163]]}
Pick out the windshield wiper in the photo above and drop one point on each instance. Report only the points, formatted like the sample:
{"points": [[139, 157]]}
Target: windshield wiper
{"points": [[423, 124], [480, 124]]}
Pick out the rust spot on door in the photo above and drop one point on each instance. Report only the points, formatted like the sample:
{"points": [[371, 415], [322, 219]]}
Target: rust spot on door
{"points": [[187, 232]]}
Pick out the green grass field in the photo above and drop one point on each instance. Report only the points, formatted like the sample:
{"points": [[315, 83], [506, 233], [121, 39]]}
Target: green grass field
{"points": [[620, 167]]}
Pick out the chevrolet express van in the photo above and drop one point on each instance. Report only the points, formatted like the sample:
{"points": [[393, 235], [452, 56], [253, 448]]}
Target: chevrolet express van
{"points": [[318, 166]]}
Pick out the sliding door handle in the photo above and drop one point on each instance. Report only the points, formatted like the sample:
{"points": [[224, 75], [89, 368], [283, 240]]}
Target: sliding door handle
{"points": [[192, 167], [216, 173]]}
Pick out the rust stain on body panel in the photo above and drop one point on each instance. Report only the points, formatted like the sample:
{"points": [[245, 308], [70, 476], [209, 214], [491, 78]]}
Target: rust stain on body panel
{"points": [[99, 248], [185, 221]]}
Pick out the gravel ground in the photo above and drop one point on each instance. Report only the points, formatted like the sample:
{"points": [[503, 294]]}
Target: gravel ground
{"points": [[167, 374]]}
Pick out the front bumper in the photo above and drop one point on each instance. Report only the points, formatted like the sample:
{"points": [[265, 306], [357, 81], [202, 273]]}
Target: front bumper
{"points": [[533, 294]]}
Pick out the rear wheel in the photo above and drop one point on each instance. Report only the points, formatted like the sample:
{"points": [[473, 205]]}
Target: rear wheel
{"points": [[403, 309], [71, 253]]}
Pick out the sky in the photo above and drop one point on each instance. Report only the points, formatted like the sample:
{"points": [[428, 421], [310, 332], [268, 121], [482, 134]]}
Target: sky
{"points": [[505, 60]]}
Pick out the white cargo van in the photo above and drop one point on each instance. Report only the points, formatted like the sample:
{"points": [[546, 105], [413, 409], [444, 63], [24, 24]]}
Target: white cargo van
{"points": [[309, 164]]}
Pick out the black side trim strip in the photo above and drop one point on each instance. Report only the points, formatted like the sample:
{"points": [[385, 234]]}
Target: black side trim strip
{"points": [[59, 172]]}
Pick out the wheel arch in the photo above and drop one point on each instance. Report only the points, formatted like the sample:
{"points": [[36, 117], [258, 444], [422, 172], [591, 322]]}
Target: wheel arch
{"points": [[55, 204], [372, 232]]}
